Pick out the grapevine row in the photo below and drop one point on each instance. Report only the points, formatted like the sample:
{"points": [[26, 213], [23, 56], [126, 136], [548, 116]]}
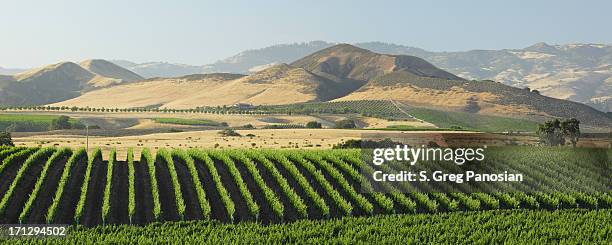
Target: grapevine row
{"points": [[106, 201], [339, 201], [275, 203], [293, 197], [33, 159], [361, 201], [383, 201], [15, 158], [210, 165], [97, 154], [27, 208], [193, 172], [131, 185], [400, 198], [146, 156], [244, 191], [176, 186], [76, 156]]}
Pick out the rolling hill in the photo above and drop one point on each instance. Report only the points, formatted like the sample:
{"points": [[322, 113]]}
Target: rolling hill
{"points": [[577, 72], [344, 62], [414, 81], [61, 81], [107, 69], [317, 77], [279, 84], [246, 62], [343, 73]]}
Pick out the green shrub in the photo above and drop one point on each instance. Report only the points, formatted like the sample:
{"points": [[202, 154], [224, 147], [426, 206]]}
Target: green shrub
{"points": [[62, 122], [313, 124], [345, 124], [6, 139], [228, 132]]}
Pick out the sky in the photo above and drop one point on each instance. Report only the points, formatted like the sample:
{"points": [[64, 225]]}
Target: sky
{"points": [[35, 33]]}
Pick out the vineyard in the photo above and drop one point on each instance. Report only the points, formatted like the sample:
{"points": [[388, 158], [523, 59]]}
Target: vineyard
{"points": [[491, 227], [384, 109], [393, 110], [68, 186]]}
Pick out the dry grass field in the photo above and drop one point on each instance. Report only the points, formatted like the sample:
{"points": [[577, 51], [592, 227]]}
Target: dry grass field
{"points": [[277, 138], [263, 138], [138, 130]]}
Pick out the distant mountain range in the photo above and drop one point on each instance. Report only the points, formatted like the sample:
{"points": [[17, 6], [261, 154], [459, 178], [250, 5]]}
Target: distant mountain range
{"points": [[160, 69], [10, 71], [342, 73], [339, 72], [578, 72]]}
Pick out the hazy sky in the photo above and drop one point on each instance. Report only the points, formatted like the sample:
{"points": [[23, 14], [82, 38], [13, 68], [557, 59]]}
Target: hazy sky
{"points": [[199, 32]]}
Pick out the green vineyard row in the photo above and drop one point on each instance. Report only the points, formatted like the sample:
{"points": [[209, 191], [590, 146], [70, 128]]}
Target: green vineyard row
{"points": [[268, 186], [490, 227]]}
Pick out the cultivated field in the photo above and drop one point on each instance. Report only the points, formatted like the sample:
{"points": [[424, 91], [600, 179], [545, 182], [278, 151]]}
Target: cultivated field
{"points": [[565, 226], [268, 186], [176, 170]]}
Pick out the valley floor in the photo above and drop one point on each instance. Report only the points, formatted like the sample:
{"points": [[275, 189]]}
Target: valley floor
{"points": [[123, 130], [263, 138]]}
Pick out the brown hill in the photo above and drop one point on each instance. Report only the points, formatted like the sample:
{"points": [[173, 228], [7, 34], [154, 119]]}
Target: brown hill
{"points": [[110, 70], [350, 67], [482, 97], [344, 72], [6, 79], [347, 62], [280, 84], [61, 81], [415, 81]]}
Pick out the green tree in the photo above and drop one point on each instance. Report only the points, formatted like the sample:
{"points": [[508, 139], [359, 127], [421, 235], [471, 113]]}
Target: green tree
{"points": [[5, 138], [550, 133], [313, 124], [346, 124], [62, 122], [571, 129]]}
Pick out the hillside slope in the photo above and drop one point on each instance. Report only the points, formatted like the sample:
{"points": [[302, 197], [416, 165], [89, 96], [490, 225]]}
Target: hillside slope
{"points": [[107, 69], [577, 72], [345, 61], [343, 73], [246, 62], [325, 75], [415, 81], [61, 81], [280, 84], [481, 97]]}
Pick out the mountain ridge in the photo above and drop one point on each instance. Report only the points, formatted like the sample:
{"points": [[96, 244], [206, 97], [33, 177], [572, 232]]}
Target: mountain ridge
{"points": [[351, 73], [61, 81], [578, 72], [264, 87]]}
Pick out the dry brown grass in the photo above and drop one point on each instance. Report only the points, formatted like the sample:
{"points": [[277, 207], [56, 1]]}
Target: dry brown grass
{"points": [[277, 85], [455, 98], [264, 138]]}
